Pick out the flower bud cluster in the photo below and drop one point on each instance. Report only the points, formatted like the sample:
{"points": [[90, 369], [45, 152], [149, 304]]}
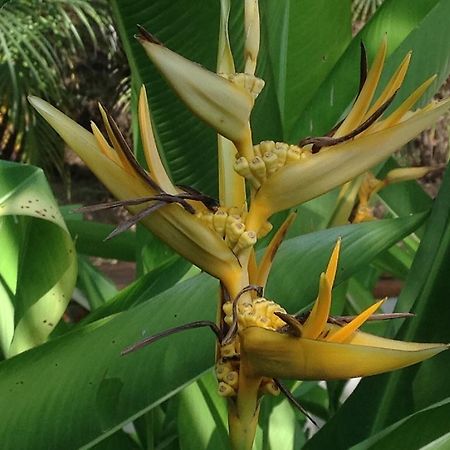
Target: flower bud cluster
{"points": [[227, 373], [249, 82], [269, 157], [258, 312], [229, 224]]}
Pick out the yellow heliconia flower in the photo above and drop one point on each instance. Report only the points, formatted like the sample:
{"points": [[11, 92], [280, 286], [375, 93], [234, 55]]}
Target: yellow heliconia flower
{"points": [[258, 341], [370, 185], [116, 167], [316, 349], [363, 140], [224, 102]]}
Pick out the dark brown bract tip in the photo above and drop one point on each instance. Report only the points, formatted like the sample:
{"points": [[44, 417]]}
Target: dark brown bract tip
{"points": [[145, 35]]}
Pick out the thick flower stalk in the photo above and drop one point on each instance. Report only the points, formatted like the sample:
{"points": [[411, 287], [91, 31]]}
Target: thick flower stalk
{"points": [[258, 341]]}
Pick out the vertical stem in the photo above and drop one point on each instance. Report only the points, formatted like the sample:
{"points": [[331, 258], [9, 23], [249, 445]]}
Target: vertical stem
{"points": [[243, 412]]}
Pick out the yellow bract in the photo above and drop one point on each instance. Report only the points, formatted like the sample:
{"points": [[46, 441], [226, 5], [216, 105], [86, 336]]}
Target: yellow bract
{"points": [[184, 232], [326, 351]]}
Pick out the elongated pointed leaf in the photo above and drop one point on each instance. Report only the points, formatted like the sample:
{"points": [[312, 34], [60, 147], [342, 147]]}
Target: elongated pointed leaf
{"points": [[403, 434]]}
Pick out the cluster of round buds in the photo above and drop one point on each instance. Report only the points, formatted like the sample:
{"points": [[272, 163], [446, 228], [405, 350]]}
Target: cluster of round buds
{"points": [[228, 379], [258, 312], [249, 82], [269, 157], [229, 224]]}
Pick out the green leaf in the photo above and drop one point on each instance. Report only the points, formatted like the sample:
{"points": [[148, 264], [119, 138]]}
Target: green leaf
{"points": [[299, 62], [289, 278], [379, 401], [118, 389], [404, 433], [202, 416], [184, 141], [39, 268], [96, 287], [89, 240]]}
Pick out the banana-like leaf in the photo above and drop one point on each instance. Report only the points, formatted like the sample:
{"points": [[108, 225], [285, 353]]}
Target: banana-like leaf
{"points": [[83, 370], [184, 141], [297, 280], [379, 401], [202, 416], [302, 41], [38, 266], [96, 286], [89, 240], [403, 434]]}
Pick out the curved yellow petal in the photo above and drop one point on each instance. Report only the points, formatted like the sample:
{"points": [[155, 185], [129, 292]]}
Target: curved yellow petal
{"points": [[343, 333], [273, 354], [392, 86], [318, 317], [333, 263], [155, 166], [359, 109], [271, 250], [214, 99], [403, 109]]}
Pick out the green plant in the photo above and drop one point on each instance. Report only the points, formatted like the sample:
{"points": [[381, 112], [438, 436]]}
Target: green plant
{"points": [[40, 43], [120, 389]]}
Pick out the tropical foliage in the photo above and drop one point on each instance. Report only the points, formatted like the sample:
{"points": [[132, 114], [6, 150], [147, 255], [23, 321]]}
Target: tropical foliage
{"points": [[73, 389], [41, 43]]}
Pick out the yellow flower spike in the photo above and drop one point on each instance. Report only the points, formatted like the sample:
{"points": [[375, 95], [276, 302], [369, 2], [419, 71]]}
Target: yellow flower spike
{"points": [[342, 334], [183, 231], [231, 185], [319, 350], [214, 99], [298, 182], [318, 316], [280, 355], [359, 109], [151, 154], [408, 173]]}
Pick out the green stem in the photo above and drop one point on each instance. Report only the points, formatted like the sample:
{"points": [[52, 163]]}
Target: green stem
{"points": [[243, 412]]}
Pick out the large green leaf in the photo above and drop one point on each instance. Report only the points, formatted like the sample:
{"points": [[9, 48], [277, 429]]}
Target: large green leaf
{"points": [[183, 26], [202, 416], [83, 370], [303, 40], [296, 280], [382, 400], [409, 25], [38, 266], [403, 434]]}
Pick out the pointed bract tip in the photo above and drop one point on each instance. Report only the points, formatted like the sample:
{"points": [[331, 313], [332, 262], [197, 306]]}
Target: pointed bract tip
{"points": [[144, 35]]}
